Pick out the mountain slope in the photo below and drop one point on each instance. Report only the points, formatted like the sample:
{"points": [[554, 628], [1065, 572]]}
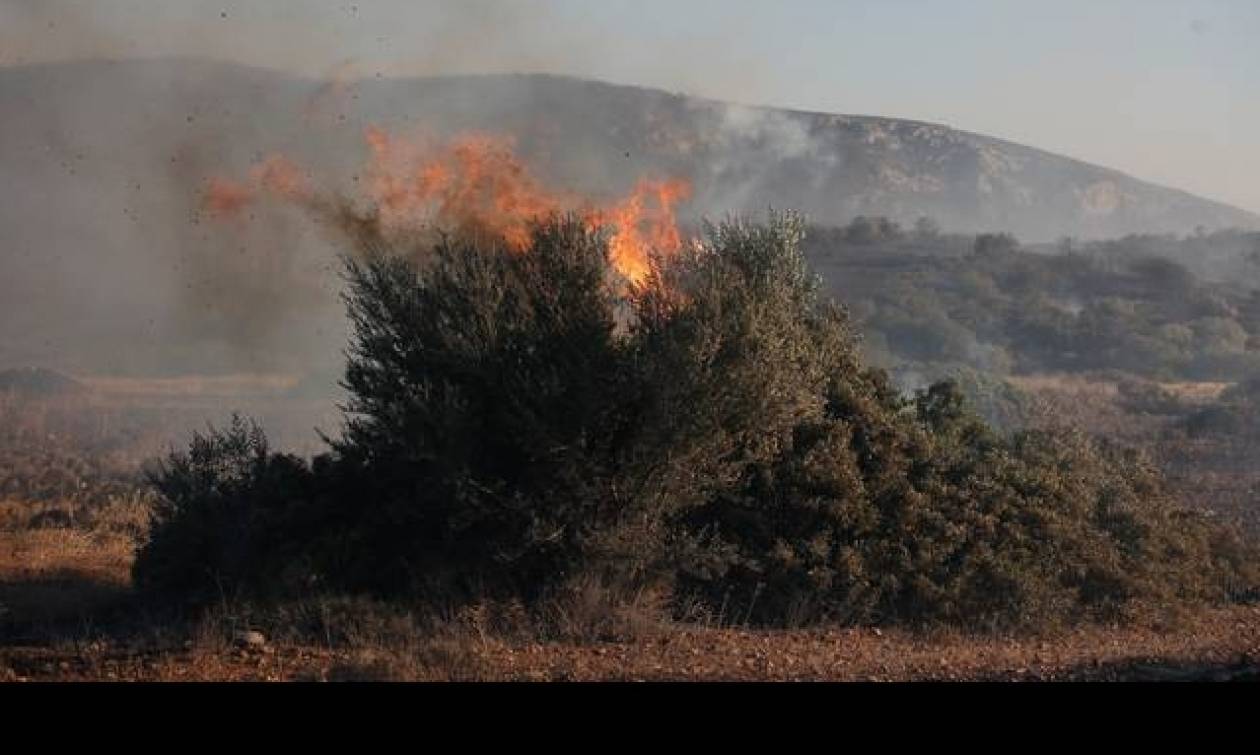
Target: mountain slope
{"points": [[106, 264]]}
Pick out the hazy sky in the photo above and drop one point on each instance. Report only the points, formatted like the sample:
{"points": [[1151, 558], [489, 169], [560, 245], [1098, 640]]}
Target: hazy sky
{"points": [[1166, 91]]}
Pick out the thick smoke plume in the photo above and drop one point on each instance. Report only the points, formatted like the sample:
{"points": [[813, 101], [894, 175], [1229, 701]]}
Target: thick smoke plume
{"points": [[113, 262]]}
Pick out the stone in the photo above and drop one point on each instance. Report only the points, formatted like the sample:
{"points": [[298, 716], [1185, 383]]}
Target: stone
{"points": [[250, 638]]}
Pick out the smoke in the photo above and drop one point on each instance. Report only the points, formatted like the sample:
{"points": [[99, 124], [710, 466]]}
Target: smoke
{"points": [[62, 28], [475, 185], [112, 262], [105, 165], [109, 265], [744, 145]]}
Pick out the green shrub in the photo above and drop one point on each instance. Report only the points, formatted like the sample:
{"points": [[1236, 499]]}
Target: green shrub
{"points": [[223, 507], [521, 425], [492, 415]]}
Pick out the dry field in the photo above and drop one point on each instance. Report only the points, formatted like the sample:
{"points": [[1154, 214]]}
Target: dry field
{"points": [[1218, 473], [1202, 391], [193, 385]]}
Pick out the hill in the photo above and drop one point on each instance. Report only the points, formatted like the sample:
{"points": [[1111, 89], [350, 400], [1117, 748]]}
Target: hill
{"points": [[109, 267], [37, 382]]}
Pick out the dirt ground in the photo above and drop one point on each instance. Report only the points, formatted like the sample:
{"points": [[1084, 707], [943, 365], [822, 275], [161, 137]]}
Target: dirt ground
{"points": [[1219, 646], [56, 583]]}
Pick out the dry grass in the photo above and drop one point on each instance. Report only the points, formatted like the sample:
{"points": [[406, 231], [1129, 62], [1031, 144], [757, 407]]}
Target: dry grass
{"points": [[55, 575], [123, 515], [1216, 474], [192, 386], [440, 657], [590, 611], [1197, 392], [1069, 384], [1093, 388]]}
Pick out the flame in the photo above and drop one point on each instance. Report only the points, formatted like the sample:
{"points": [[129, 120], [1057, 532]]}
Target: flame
{"points": [[643, 222], [224, 198], [475, 183], [282, 177], [277, 175]]}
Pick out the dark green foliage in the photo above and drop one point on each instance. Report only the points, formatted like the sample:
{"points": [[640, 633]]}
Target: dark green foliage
{"points": [[520, 425], [492, 408], [1158, 307], [222, 515], [924, 515], [868, 230], [1234, 416], [995, 245]]}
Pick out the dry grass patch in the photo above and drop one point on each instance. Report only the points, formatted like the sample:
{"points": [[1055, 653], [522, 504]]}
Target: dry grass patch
{"points": [[63, 561], [49, 575]]}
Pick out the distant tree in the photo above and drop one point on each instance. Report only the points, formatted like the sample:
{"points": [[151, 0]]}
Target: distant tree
{"points": [[995, 245], [1252, 256], [872, 230], [926, 229], [1164, 275], [1219, 335]]}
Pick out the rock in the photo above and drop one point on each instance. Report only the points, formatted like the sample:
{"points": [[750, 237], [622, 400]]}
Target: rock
{"points": [[250, 638], [51, 519]]}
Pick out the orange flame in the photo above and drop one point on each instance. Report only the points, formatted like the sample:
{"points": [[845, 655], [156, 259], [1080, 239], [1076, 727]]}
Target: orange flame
{"points": [[643, 222], [277, 175], [224, 198], [282, 177], [476, 183]]}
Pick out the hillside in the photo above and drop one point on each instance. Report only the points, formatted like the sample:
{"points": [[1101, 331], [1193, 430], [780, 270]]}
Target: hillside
{"points": [[108, 266]]}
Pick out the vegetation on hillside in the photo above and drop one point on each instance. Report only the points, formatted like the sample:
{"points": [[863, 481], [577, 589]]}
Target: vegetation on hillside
{"points": [[1164, 308]]}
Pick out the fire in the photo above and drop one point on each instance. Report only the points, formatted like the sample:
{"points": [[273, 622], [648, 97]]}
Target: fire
{"points": [[224, 198], [276, 175], [642, 222], [475, 183], [282, 177]]}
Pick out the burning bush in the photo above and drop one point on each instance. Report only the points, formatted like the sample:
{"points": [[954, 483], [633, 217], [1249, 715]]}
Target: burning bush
{"points": [[524, 421]]}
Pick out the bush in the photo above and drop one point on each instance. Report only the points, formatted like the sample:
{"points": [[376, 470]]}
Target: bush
{"points": [[493, 415], [223, 505], [930, 518], [523, 424]]}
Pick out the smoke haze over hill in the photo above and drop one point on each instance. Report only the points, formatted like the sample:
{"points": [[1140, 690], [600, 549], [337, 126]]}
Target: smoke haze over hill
{"points": [[111, 265]]}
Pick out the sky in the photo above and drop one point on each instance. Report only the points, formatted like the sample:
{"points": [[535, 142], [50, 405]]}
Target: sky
{"points": [[1163, 90]]}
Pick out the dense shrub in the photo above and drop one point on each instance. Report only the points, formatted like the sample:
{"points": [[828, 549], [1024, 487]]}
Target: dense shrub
{"points": [[522, 424], [494, 416], [877, 516], [224, 514], [1160, 308]]}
